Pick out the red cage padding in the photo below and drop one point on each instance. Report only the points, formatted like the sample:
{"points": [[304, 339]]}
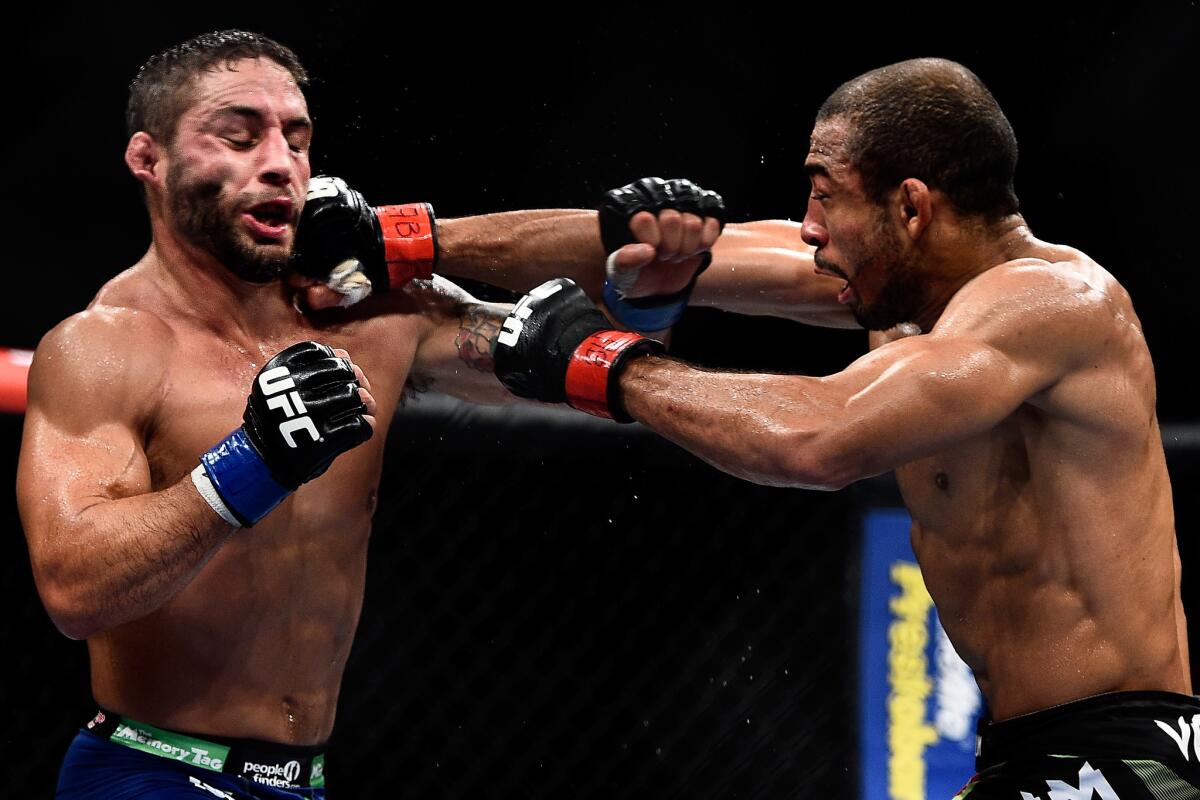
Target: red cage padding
{"points": [[14, 375]]}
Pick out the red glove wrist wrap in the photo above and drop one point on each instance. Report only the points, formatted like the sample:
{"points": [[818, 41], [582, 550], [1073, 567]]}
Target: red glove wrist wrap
{"points": [[590, 370], [409, 241]]}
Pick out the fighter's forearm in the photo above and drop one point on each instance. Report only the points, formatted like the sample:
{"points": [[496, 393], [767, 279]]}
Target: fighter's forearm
{"points": [[769, 429], [765, 268], [521, 249], [119, 560]]}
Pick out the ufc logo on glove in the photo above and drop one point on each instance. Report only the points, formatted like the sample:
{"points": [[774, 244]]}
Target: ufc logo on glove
{"points": [[273, 383]]}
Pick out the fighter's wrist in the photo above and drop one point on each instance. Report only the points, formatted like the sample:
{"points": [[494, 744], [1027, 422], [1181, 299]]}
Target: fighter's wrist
{"points": [[645, 314], [594, 371], [408, 242], [237, 482]]}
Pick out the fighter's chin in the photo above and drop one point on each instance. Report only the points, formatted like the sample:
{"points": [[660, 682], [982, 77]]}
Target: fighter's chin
{"points": [[259, 263], [873, 319]]}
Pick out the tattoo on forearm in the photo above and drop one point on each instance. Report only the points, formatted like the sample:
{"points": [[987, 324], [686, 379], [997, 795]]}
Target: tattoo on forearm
{"points": [[415, 385], [478, 328]]}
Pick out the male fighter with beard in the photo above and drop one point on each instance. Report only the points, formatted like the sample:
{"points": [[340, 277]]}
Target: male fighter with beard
{"points": [[1020, 421], [218, 595]]}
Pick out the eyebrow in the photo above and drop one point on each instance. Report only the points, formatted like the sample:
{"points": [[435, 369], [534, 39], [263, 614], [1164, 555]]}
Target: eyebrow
{"points": [[813, 168], [253, 113]]}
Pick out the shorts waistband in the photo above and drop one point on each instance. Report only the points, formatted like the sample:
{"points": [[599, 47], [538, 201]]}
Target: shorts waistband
{"points": [[1160, 725], [266, 763]]}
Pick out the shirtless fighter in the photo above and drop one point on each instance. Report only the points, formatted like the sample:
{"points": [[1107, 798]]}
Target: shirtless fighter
{"points": [[1020, 421], [218, 595]]}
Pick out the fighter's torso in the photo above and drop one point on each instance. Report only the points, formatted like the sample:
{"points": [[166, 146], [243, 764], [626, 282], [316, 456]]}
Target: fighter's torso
{"points": [[256, 644], [1048, 542]]}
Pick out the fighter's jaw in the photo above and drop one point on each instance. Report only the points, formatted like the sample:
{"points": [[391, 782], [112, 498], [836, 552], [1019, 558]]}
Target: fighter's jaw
{"points": [[847, 295]]}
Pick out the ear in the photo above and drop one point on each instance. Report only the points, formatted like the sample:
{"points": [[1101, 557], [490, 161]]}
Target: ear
{"points": [[143, 156], [916, 207]]}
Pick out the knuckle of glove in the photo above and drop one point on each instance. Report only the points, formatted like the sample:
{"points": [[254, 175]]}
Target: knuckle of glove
{"points": [[702, 202], [540, 336], [653, 195], [712, 205], [331, 229], [619, 205], [304, 410]]}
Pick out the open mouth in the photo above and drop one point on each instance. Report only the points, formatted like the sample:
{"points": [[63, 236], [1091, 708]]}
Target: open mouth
{"points": [[269, 220], [847, 294]]}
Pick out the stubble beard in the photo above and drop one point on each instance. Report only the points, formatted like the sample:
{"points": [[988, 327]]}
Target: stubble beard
{"points": [[902, 294], [195, 205]]}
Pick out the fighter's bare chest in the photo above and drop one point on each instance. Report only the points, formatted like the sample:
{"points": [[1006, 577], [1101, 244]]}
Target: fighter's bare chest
{"points": [[957, 490], [205, 385]]}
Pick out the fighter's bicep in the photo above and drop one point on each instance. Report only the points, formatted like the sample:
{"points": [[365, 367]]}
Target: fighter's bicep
{"points": [[73, 470], [920, 395], [83, 441]]}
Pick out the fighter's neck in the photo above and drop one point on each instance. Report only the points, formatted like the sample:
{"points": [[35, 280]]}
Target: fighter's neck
{"points": [[203, 290], [967, 254]]}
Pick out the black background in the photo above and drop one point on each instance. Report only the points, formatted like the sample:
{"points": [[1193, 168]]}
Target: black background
{"points": [[479, 670], [502, 108]]}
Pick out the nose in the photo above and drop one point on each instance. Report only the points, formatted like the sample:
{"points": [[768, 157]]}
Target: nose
{"points": [[276, 159], [812, 230]]}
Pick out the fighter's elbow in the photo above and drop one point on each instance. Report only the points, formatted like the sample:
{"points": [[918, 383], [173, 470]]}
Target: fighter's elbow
{"points": [[67, 602], [818, 459], [69, 614]]}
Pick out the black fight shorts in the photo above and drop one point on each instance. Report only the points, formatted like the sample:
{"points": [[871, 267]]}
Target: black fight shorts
{"points": [[1120, 746]]}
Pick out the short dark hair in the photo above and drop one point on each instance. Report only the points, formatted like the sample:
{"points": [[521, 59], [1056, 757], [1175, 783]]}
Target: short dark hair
{"points": [[933, 120], [160, 93]]}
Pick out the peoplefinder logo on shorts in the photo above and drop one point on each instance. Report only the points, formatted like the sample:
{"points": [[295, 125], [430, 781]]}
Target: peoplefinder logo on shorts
{"points": [[277, 775]]}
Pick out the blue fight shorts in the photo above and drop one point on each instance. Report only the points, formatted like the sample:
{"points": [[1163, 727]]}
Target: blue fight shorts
{"points": [[115, 758]]}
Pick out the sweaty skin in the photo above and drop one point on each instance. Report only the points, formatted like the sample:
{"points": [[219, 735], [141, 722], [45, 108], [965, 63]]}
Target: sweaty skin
{"points": [[1021, 426], [192, 625]]}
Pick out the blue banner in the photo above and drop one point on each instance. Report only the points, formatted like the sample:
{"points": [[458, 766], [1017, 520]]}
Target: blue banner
{"points": [[918, 702]]}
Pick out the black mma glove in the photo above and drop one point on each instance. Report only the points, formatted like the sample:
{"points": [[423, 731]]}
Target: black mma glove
{"points": [[618, 207], [357, 249], [303, 411], [556, 346]]}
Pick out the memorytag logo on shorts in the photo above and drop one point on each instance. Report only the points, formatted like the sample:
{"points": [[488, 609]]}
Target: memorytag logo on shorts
{"points": [[275, 384], [157, 742]]}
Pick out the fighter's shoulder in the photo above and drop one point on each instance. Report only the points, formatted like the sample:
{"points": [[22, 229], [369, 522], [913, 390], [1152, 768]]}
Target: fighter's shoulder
{"points": [[1065, 295], [103, 356]]}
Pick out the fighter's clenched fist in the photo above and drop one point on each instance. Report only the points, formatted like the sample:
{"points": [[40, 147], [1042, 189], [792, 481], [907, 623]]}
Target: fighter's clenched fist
{"points": [[308, 405], [357, 249], [556, 346], [658, 234]]}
